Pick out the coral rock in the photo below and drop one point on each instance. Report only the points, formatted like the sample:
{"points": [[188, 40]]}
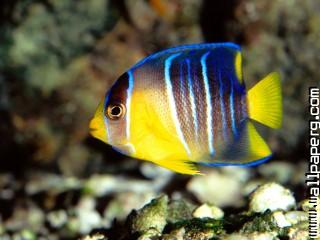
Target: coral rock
{"points": [[271, 196]]}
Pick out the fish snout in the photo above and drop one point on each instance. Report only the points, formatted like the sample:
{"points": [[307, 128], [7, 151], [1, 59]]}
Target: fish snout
{"points": [[97, 129]]}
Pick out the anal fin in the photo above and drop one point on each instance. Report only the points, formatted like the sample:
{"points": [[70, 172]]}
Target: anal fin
{"points": [[248, 150], [180, 166]]}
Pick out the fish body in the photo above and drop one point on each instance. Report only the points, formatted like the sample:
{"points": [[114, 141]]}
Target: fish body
{"points": [[188, 105]]}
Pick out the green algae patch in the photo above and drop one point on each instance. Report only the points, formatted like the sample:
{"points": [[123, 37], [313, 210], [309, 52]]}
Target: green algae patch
{"points": [[263, 223], [201, 225], [260, 223], [151, 216], [179, 210]]}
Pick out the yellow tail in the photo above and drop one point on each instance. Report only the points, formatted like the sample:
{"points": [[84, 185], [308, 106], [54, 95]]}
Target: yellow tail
{"points": [[265, 101]]}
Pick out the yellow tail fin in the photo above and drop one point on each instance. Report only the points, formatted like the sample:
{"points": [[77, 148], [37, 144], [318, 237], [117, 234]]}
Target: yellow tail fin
{"points": [[265, 101]]}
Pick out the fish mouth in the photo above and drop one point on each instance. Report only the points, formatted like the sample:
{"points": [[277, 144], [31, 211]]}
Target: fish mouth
{"points": [[91, 130], [94, 125], [96, 130]]}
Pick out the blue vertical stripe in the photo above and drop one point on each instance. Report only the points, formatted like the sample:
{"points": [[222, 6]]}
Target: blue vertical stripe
{"points": [[208, 101], [222, 105], [192, 99], [231, 100], [183, 89], [173, 109], [128, 104]]}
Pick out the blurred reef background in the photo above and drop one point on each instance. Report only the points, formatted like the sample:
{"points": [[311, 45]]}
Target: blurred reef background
{"points": [[58, 58]]}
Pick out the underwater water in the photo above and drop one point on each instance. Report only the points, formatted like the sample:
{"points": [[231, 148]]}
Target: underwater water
{"points": [[58, 58]]}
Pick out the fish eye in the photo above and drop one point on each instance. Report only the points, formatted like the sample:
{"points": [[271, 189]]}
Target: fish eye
{"points": [[115, 111]]}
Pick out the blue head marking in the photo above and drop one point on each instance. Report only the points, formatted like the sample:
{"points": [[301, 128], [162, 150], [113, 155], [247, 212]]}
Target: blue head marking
{"points": [[105, 119]]}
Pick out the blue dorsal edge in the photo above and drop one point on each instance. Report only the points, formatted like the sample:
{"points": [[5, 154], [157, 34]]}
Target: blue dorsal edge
{"points": [[249, 164], [195, 46]]}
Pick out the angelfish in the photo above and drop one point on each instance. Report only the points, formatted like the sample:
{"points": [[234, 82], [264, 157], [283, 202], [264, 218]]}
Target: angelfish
{"points": [[188, 106]]}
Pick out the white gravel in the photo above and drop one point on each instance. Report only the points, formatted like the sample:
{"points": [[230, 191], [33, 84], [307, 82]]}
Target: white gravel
{"points": [[271, 196]]}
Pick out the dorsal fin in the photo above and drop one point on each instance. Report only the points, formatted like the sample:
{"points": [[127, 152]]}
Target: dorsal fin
{"points": [[190, 47]]}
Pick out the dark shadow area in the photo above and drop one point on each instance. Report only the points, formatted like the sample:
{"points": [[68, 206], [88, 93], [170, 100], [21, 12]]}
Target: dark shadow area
{"points": [[215, 16], [14, 157]]}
